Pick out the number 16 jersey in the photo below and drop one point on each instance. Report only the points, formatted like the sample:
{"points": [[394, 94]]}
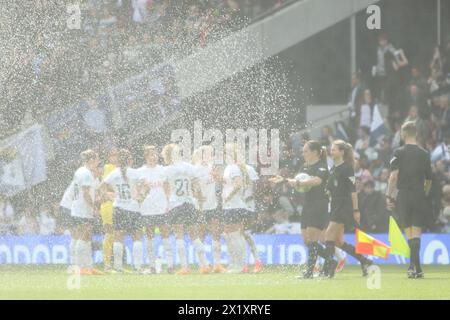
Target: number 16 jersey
{"points": [[124, 189]]}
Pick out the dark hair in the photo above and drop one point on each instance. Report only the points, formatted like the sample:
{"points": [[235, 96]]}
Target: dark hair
{"points": [[365, 129], [369, 183], [123, 160], [316, 146]]}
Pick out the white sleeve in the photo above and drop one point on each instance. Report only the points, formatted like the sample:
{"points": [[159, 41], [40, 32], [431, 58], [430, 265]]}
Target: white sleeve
{"points": [[87, 180], [133, 174], [234, 172], [252, 174], [109, 178]]}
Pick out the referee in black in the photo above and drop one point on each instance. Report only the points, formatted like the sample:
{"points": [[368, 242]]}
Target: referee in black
{"points": [[411, 175]]}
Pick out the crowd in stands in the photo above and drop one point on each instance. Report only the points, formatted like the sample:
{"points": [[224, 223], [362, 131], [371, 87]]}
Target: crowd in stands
{"points": [[49, 63]]}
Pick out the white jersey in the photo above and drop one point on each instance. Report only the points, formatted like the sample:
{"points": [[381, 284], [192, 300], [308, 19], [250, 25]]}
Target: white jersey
{"points": [[249, 196], [237, 201], [208, 188], [83, 177], [67, 199], [124, 189], [180, 176], [155, 202]]}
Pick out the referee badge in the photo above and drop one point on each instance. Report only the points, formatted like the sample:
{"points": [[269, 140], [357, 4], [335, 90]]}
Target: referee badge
{"points": [[352, 179]]}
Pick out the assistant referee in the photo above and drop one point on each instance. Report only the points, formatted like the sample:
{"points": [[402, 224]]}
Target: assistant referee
{"points": [[411, 174]]}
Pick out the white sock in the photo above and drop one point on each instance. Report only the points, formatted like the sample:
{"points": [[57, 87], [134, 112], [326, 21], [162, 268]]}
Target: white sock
{"points": [[181, 253], [251, 243], [89, 260], [243, 252], [217, 249], [138, 251], [238, 241], [72, 252], [118, 255], [230, 250], [338, 253], [168, 252], [78, 251], [151, 258], [200, 250], [84, 254]]}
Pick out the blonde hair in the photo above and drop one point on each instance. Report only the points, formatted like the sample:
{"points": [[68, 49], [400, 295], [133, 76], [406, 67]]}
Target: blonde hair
{"points": [[348, 151], [149, 149], [88, 155], [238, 161], [168, 153], [409, 129]]}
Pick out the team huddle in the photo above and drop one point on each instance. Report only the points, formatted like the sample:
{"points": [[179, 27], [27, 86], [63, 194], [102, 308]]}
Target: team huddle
{"points": [[177, 198], [181, 198]]}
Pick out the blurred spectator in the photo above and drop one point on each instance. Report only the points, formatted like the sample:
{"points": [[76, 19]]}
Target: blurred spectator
{"points": [[415, 96], [363, 142], [28, 224], [47, 222], [96, 122], [373, 208], [264, 221], [382, 181], [362, 166], [382, 71], [327, 136], [356, 96], [422, 127], [282, 224], [444, 219], [418, 80], [367, 108], [6, 216]]}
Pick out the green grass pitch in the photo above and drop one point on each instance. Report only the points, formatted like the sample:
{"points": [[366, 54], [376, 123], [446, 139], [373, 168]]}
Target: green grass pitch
{"points": [[50, 282]]}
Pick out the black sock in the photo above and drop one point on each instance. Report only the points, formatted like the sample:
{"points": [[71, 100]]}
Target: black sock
{"points": [[321, 251], [312, 255], [329, 249], [415, 253], [329, 253], [411, 264], [351, 251]]}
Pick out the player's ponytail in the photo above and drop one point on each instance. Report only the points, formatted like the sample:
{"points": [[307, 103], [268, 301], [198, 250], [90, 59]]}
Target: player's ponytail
{"points": [[167, 153], [123, 161], [317, 147]]}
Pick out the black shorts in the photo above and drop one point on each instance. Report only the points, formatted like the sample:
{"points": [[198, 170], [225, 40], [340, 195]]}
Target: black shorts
{"points": [[154, 220], [65, 218], [127, 221], [233, 216], [315, 215], [411, 208], [342, 211], [186, 214], [207, 216], [77, 221], [249, 219]]}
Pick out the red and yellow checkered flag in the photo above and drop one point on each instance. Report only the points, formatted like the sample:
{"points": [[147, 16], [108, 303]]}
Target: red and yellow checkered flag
{"points": [[366, 244]]}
